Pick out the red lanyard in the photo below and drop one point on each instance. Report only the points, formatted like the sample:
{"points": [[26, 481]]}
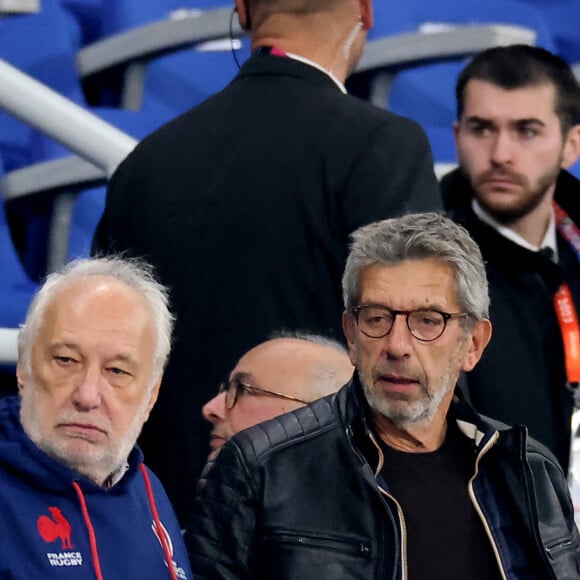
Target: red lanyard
{"points": [[563, 303]]}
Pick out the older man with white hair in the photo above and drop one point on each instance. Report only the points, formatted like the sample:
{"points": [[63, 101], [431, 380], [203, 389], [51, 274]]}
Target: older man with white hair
{"points": [[74, 492]]}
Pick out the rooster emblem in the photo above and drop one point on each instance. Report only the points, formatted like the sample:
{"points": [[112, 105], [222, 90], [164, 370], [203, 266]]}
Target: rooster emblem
{"points": [[56, 528]]}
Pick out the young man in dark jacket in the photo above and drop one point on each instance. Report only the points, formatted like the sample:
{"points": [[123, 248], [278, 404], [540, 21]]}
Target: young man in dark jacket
{"points": [[75, 497], [518, 109], [395, 476]]}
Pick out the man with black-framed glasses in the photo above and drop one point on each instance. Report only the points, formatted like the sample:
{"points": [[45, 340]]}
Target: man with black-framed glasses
{"points": [[395, 476], [275, 377]]}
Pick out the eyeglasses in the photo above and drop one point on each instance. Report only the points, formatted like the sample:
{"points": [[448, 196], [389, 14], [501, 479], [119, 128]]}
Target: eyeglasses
{"points": [[424, 325], [233, 388]]}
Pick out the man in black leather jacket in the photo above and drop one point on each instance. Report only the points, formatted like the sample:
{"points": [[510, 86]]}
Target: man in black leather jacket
{"points": [[395, 476]]}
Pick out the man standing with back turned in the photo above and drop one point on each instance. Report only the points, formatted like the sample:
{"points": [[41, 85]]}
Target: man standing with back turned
{"points": [[518, 109], [394, 476], [245, 203]]}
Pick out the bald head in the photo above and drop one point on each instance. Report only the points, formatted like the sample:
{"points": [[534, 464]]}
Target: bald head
{"points": [[296, 6], [278, 372], [331, 33], [308, 368]]}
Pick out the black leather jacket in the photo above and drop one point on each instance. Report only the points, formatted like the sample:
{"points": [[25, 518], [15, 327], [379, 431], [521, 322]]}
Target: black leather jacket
{"points": [[296, 498]]}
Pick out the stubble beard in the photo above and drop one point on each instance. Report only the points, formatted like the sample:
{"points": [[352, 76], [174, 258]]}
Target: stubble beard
{"points": [[95, 462], [530, 198], [422, 410]]}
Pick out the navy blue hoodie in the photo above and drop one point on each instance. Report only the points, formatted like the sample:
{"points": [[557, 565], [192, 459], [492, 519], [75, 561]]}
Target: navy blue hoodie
{"points": [[56, 523]]}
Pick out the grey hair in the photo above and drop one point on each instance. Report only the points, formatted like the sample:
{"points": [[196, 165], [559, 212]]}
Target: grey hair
{"points": [[135, 273], [309, 337], [420, 236], [325, 375]]}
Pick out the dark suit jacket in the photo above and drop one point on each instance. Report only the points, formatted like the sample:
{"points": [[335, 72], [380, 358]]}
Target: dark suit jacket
{"points": [[245, 204]]}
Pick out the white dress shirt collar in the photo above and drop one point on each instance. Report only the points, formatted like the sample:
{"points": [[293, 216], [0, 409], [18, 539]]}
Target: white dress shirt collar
{"points": [[317, 66], [549, 240]]}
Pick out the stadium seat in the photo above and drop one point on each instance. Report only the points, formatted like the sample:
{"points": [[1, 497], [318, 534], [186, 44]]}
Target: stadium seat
{"points": [[455, 12], [122, 15], [54, 35], [561, 16], [426, 93], [163, 58], [16, 288], [89, 15], [35, 43], [402, 42], [87, 210], [443, 148]]}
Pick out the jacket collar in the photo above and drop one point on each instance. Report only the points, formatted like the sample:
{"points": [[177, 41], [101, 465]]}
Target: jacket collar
{"points": [[499, 252], [266, 64], [353, 411], [21, 455]]}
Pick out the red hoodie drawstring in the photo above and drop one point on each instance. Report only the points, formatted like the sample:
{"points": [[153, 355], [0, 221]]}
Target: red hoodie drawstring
{"points": [[92, 537], [161, 531], [160, 534]]}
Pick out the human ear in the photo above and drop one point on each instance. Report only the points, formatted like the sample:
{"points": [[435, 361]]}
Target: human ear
{"points": [[571, 151], [349, 330], [366, 14], [153, 396], [479, 339], [243, 14], [21, 376]]}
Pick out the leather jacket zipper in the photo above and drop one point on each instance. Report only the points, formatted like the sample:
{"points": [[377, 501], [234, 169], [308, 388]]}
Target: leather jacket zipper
{"points": [[402, 524], [320, 541], [403, 531], [372, 477], [560, 546], [493, 440]]}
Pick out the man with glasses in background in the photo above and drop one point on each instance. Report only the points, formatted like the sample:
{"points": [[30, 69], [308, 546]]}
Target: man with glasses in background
{"points": [[275, 377], [394, 476]]}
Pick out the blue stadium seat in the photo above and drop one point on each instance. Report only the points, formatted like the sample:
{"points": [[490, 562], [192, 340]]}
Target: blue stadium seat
{"points": [[40, 216], [119, 15], [513, 12], [124, 14], [179, 81], [575, 170], [427, 93], [44, 46], [562, 19], [179, 78], [442, 144], [87, 211], [16, 288], [35, 43], [89, 15]]}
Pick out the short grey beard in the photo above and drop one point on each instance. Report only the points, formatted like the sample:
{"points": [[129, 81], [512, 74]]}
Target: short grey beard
{"points": [[97, 471], [423, 410]]}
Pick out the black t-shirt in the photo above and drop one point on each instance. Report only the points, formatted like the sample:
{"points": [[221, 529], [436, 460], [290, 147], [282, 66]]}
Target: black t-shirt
{"points": [[445, 537]]}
